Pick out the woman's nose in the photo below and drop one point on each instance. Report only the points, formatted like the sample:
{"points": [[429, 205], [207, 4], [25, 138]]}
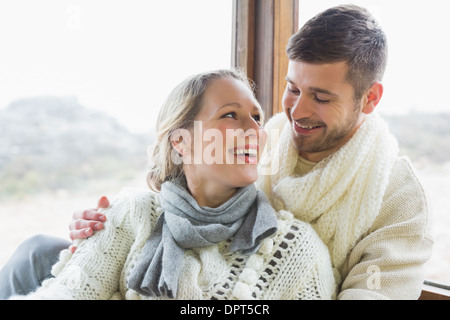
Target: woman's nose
{"points": [[252, 128]]}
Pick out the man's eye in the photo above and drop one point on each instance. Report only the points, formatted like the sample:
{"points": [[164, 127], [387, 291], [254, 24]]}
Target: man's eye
{"points": [[294, 91], [320, 100]]}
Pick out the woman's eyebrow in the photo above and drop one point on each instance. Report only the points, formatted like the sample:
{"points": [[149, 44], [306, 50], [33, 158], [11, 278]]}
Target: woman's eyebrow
{"points": [[238, 105], [231, 104]]}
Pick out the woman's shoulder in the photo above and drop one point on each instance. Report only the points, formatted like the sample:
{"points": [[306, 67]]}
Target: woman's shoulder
{"points": [[138, 206], [277, 121], [139, 197], [295, 233], [299, 227]]}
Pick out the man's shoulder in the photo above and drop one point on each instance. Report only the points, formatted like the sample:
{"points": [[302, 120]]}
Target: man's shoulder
{"points": [[404, 178], [405, 199]]}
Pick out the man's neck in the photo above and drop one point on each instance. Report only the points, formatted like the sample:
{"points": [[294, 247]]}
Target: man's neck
{"points": [[304, 166]]}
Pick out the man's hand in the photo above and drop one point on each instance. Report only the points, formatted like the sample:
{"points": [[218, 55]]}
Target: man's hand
{"points": [[85, 222]]}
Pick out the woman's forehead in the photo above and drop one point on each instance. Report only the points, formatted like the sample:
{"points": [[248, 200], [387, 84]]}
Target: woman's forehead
{"points": [[229, 91]]}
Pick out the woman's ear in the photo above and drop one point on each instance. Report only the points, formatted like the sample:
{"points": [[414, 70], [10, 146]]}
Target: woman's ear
{"points": [[180, 140], [373, 97], [177, 145]]}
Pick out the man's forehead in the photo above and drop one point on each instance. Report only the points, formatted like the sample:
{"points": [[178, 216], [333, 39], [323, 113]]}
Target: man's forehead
{"points": [[323, 76], [340, 66]]}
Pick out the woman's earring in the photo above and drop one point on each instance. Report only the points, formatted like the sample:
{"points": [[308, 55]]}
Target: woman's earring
{"points": [[176, 157]]}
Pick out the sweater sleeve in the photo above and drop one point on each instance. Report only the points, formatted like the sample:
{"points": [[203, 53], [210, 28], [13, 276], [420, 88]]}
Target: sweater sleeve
{"points": [[388, 263], [94, 270]]}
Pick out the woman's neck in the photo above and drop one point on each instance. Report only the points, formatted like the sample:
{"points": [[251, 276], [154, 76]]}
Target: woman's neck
{"points": [[209, 194]]}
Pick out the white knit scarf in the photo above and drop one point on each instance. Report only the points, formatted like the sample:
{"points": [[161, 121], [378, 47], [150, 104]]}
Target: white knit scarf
{"points": [[342, 195]]}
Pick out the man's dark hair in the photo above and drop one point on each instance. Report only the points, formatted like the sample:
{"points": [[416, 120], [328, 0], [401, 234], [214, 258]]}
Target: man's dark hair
{"points": [[346, 33]]}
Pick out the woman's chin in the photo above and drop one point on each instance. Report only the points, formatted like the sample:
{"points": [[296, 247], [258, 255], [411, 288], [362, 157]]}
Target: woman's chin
{"points": [[248, 177]]}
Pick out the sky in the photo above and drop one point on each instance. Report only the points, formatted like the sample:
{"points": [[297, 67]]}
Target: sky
{"points": [[417, 74], [124, 57]]}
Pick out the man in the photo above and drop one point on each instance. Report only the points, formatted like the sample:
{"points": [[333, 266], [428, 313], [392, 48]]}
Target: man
{"points": [[340, 170]]}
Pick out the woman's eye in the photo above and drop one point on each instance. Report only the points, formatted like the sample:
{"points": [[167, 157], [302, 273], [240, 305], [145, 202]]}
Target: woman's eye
{"points": [[230, 115], [257, 118]]}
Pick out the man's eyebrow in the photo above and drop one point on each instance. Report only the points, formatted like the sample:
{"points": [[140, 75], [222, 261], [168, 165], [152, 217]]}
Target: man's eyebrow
{"points": [[315, 89], [289, 80], [319, 90]]}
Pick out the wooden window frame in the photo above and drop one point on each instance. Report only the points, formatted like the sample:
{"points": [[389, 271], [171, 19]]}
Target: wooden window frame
{"points": [[434, 291], [261, 30]]}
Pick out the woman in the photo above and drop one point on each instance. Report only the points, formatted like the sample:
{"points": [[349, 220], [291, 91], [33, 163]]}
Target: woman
{"points": [[206, 233]]}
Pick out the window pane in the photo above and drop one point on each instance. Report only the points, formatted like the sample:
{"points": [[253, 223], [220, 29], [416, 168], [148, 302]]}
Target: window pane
{"points": [[413, 103], [82, 83]]}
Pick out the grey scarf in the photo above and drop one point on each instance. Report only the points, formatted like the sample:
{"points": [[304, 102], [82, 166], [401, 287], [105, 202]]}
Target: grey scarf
{"points": [[248, 216]]}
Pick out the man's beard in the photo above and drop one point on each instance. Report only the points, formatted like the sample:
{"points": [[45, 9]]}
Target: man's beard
{"points": [[328, 139]]}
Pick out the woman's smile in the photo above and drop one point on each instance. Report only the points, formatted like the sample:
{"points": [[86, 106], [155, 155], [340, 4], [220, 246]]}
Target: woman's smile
{"points": [[246, 154]]}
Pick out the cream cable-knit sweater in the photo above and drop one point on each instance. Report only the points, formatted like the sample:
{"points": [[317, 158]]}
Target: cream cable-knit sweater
{"points": [[387, 260], [292, 264]]}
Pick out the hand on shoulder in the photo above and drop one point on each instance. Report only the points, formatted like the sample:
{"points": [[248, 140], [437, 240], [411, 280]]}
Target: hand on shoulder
{"points": [[85, 222]]}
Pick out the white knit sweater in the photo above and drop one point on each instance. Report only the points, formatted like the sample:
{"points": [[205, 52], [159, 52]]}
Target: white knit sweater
{"points": [[366, 204], [292, 264]]}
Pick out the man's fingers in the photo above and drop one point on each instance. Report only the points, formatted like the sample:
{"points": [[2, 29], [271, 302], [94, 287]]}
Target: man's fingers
{"points": [[85, 222], [103, 203], [81, 233], [80, 224], [90, 214]]}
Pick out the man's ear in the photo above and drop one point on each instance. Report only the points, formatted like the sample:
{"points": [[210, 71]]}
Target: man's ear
{"points": [[372, 97]]}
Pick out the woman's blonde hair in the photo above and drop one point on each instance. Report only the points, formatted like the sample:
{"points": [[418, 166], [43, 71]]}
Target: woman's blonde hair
{"points": [[178, 112]]}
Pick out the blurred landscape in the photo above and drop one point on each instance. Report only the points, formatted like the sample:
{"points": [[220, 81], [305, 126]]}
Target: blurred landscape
{"points": [[50, 144], [425, 139], [57, 157]]}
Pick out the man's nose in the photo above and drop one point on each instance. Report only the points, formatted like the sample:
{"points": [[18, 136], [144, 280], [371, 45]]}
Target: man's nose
{"points": [[302, 108]]}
